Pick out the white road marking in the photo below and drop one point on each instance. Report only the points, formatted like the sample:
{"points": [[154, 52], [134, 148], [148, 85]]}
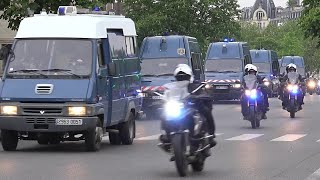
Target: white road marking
{"points": [[314, 176], [244, 137], [318, 140], [146, 138], [289, 137]]}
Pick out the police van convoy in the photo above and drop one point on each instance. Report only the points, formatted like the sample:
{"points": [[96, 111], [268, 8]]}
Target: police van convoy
{"points": [[71, 77], [268, 67], [159, 57], [224, 66]]}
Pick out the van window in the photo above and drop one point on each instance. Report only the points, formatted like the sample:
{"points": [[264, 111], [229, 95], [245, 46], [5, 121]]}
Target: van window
{"points": [[130, 48], [224, 51], [163, 66], [117, 45]]}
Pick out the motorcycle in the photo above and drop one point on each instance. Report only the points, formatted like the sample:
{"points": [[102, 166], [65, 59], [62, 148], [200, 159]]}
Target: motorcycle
{"points": [[312, 86], [254, 100], [293, 89], [186, 128]]}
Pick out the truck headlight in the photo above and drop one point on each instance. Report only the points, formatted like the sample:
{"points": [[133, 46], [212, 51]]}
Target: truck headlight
{"points": [[77, 111], [9, 110], [237, 85]]}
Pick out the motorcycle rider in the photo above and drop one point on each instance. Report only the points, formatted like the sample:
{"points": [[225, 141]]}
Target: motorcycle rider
{"points": [[291, 68], [252, 69], [184, 73]]}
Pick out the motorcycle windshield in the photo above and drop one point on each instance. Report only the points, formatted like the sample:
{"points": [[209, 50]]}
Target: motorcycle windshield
{"points": [[251, 81], [293, 77], [176, 91]]}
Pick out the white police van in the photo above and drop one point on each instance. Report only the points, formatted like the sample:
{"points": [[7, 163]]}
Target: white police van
{"points": [[71, 77]]}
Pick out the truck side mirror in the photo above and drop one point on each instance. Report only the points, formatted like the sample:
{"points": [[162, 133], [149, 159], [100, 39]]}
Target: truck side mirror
{"points": [[103, 72], [112, 69]]}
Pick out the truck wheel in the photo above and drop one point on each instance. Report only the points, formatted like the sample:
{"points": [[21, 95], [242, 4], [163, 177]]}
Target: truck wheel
{"points": [[114, 138], [93, 138], [9, 140], [127, 131], [43, 139]]}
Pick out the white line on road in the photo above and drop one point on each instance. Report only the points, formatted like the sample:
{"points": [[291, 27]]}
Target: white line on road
{"points": [[289, 137], [244, 137], [314, 176]]}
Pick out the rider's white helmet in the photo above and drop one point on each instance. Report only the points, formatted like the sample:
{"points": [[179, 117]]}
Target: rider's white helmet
{"points": [[185, 69], [250, 67], [291, 65]]}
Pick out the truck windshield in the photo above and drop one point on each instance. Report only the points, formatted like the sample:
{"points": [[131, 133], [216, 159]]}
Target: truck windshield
{"points": [[298, 61], [52, 57], [170, 47], [226, 65], [260, 56], [224, 51], [158, 67], [263, 67]]}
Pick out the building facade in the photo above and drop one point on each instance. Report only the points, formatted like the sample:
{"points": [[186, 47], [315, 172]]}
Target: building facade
{"points": [[264, 12]]}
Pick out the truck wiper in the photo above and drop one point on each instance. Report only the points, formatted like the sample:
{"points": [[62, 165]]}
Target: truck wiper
{"points": [[228, 71], [168, 74], [66, 71], [31, 71]]}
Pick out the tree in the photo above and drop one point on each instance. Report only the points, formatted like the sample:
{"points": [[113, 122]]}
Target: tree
{"points": [[15, 10], [310, 21], [205, 19]]}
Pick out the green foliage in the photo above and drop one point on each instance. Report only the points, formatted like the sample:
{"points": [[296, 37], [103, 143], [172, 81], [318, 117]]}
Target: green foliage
{"points": [[287, 39], [310, 21], [206, 19], [15, 11]]}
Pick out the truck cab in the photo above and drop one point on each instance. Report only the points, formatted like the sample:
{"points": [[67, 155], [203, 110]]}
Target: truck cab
{"points": [[224, 69], [297, 60], [268, 67], [160, 56], [71, 77]]}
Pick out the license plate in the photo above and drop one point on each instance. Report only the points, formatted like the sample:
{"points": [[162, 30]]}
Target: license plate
{"points": [[156, 97], [69, 122], [222, 87]]}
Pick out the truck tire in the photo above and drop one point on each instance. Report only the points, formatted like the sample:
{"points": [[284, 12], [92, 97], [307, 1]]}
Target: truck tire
{"points": [[9, 140], [43, 139], [93, 138], [114, 138], [127, 130]]}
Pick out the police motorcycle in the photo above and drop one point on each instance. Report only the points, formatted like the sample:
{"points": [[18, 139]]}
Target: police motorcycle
{"points": [[254, 98], [186, 127], [292, 88], [312, 86]]}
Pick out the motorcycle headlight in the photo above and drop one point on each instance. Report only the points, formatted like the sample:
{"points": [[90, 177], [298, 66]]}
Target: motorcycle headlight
{"points": [[266, 83], [173, 109], [208, 86], [293, 88], [251, 93], [312, 84], [237, 85]]}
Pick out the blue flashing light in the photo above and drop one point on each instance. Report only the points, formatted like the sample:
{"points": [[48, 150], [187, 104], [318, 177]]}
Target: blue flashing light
{"points": [[96, 8], [226, 39], [232, 40], [295, 91], [61, 11]]}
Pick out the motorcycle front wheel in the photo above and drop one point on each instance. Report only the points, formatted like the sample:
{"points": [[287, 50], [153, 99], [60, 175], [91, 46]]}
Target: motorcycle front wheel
{"points": [[179, 150]]}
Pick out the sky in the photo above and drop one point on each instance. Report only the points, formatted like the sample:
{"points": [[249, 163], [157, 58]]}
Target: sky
{"points": [[248, 3]]}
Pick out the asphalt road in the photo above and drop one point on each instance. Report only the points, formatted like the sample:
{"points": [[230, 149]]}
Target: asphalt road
{"points": [[282, 148]]}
